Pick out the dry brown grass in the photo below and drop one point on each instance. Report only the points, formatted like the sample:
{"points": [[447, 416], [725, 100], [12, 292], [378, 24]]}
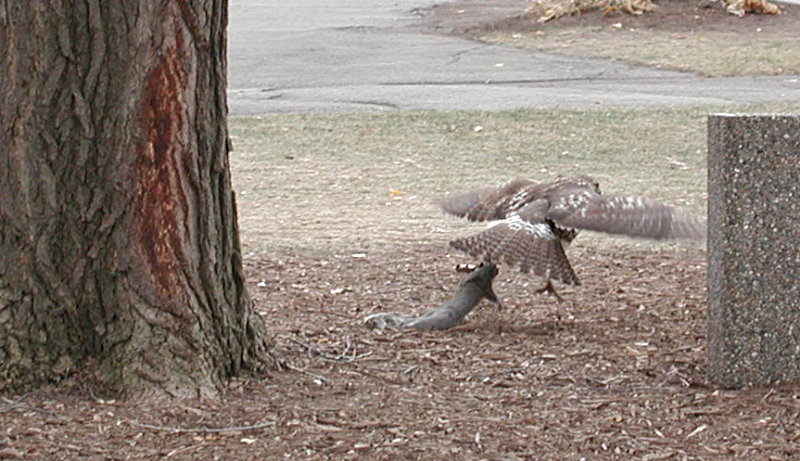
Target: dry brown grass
{"points": [[548, 10], [363, 180]]}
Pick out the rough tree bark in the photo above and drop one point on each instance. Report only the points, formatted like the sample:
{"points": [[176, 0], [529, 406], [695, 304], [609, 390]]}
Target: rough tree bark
{"points": [[118, 236]]}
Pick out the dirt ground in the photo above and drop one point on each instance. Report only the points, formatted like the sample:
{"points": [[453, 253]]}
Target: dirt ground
{"points": [[474, 18], [696, 36], [616, 371]]}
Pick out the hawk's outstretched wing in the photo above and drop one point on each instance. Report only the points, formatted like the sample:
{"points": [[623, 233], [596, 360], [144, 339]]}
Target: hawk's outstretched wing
{"points": [[632, 216], [576, 203], [490, 203]]}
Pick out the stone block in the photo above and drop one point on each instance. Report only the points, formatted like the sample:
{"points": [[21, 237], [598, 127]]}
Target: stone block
{"points": [[753, 249]]}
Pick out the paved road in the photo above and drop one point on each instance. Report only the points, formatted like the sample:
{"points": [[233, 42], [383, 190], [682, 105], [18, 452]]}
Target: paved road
{"points": [[369, 55]]}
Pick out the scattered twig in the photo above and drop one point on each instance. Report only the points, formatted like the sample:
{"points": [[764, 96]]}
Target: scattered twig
{"points": [[342, 357], [305, 372], [379, 377], [202, 430], [15, 405], [410, 369], [184, 449], [697, 430], [346, 347]]}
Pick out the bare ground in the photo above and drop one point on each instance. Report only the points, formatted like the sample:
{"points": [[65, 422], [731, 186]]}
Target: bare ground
{"points": [[476, 17], [696, 36], [614, 372]]}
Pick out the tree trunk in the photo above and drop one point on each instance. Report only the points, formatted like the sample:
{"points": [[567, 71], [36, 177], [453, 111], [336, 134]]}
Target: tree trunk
{"points": [[119, 247]]}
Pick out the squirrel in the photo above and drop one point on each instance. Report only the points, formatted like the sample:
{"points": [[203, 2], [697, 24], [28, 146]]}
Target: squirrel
{"points": [[469, 292]]}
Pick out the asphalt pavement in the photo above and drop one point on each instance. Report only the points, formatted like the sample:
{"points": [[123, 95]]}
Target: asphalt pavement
{"points": [[372, 55]]}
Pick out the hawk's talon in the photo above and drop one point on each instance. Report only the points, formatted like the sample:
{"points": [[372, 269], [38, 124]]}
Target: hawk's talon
{"points": [[549, 288]]}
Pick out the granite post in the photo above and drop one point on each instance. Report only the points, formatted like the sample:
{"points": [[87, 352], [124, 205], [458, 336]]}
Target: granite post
{"points": [[753, 249]]}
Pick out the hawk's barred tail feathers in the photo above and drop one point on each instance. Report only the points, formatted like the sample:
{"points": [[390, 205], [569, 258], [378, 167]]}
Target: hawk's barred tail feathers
{"points": [[543, 257]]}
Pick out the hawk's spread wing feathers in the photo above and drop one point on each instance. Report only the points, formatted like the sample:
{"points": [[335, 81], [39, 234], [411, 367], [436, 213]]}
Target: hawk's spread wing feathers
{"points": [[489, 203], [523, 238], [461, 204], [632, 216]]}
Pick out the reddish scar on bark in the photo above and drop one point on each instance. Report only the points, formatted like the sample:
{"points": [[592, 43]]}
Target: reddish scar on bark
{"points": [[160, 201]]}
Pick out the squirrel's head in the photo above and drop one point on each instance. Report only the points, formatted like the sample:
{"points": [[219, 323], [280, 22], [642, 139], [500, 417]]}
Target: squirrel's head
{"points": [[482, 276]]}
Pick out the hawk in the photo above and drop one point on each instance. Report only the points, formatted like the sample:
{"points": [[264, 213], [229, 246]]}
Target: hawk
{"points": [[532, 222]]}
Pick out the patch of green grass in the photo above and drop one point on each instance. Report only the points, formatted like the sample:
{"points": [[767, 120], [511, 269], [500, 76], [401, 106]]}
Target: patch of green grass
{"points": [[363, 179], [709, 54]]}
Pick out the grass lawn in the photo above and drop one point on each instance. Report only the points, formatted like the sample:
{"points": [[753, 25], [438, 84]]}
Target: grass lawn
{"points": [[366, 179]]}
